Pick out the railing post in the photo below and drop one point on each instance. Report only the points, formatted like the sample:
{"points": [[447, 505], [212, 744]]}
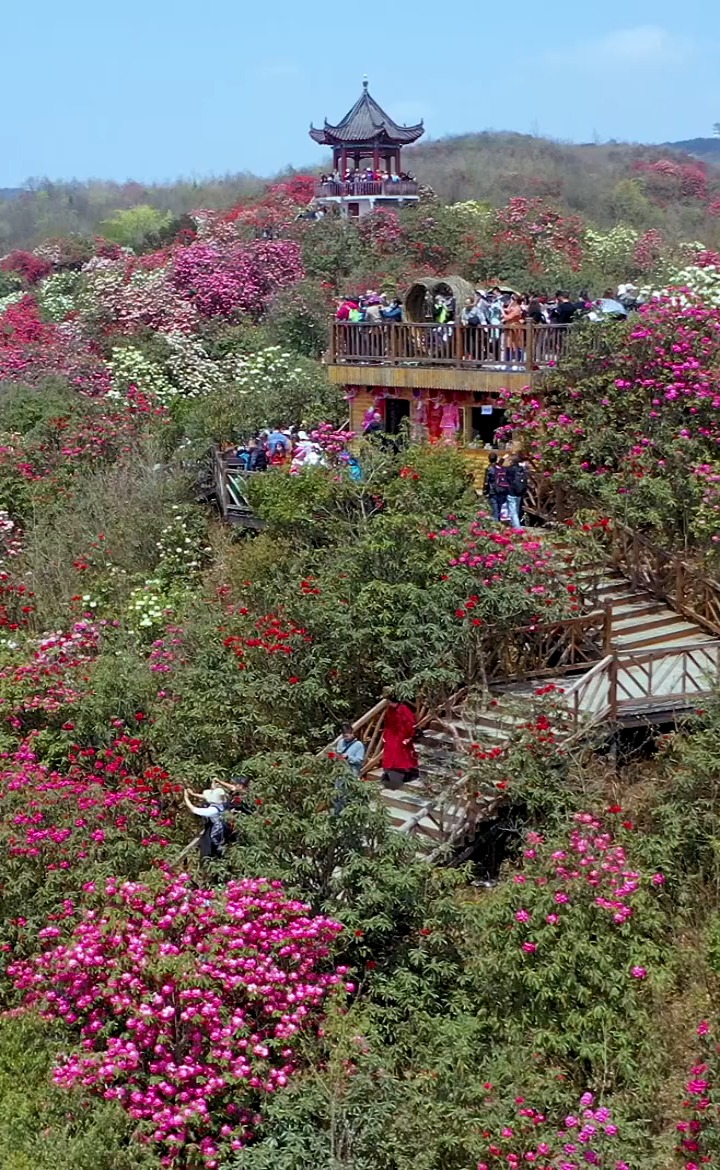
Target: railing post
{"points": [[529, 348], [613, 688], [679, 586], [392, 349], [607, 631], [333, 344], [459, 342]]}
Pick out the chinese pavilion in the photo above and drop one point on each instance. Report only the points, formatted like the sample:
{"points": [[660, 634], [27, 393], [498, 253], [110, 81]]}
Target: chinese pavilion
{"points": [[366, 135]]}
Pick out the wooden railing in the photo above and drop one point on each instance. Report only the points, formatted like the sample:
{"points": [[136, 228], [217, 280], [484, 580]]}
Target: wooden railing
{"points": [[400, 188], [643, 684], [229, 483], [668, 576], [394, 343], [545, 650]]}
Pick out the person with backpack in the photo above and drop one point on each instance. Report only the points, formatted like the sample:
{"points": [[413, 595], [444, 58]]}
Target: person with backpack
{"points": [[517, 489], [213, 838], [490, 486], [500, 489]]}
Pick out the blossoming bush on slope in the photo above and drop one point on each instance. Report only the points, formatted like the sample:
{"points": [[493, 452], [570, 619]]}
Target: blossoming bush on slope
{"points": [[634, 419], [31, 349], [92, 811], [587, 1138], [578, 931], [188, 1004], [236, 280], [699, 1129]]}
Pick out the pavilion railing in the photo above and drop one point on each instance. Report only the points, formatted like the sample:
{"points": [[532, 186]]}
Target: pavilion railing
{"points": [[520, 348], [356, 187]]}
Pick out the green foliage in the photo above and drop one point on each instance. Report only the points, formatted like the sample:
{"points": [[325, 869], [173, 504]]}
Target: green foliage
{"points": [[139, 228], [44, 1128]]}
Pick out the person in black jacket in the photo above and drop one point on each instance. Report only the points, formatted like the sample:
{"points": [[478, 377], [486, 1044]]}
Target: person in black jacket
{"points": [[257, 457], [518, 484], [495, 486]]}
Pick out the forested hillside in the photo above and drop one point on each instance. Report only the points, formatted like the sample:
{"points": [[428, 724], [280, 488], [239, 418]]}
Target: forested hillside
{"points": [[669, 187], [317, 994]]}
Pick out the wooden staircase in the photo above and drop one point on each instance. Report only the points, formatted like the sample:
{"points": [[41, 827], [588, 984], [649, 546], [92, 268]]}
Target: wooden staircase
{"points": [[659, 664]]}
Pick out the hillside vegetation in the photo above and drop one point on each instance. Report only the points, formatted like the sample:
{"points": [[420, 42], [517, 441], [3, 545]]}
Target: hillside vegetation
{"points": [[604, 183], [319, 996]]}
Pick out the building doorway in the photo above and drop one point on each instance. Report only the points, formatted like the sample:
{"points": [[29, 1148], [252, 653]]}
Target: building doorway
{"points": [[484, 422], [396, 411]]}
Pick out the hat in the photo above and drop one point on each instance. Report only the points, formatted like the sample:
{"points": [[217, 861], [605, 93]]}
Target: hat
{"points": [[213, 795], [303, 436]]}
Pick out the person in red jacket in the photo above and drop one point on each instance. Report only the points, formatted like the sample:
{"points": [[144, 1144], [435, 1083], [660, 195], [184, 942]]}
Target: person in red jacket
{"points": [[399, 761]]}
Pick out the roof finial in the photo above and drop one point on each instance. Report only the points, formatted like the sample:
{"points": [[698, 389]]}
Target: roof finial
{"points": [[365, 82]]}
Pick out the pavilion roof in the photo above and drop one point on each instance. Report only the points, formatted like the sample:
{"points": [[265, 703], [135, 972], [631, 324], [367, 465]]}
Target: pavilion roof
{"points": [[366, 122]]}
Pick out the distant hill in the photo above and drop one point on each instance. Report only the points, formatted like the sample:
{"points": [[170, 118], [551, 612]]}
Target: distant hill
{"points": [[707, 149], [10, 192]]}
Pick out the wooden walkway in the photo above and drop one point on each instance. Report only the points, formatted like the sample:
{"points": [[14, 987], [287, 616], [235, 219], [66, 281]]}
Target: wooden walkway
{"points": [[646, 656]]}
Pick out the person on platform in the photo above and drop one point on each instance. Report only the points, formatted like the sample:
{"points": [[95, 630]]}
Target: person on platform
{"points": [[393, 312], [399, 759], [257, 457]]}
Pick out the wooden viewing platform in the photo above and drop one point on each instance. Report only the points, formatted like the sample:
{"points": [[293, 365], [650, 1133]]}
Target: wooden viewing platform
{"points": [[491, 347], [385, 188]]}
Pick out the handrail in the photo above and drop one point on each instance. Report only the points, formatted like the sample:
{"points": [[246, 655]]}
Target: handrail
{"points": [[665, 574], [518, 348]]}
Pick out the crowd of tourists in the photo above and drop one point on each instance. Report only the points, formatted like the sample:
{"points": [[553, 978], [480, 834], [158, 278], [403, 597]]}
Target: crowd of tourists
{"points": [[372, 308], [368, 175], [290, 447], [497, 307]]}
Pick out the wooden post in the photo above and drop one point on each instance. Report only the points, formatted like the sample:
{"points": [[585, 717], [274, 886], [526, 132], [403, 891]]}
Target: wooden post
{"points": [[607, 631], [529, 348], [679, 585], [392, 328], [613, 688], [459, 339]]}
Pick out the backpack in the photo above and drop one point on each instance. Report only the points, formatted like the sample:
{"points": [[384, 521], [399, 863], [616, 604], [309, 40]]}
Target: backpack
{"points": [[502, 480], [519, 480], [218, 830]]}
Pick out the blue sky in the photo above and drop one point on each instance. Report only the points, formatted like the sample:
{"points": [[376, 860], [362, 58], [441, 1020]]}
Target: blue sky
{"points": [[152, 90]]}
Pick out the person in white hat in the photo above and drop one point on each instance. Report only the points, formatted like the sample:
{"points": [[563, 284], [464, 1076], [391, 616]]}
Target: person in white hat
{"points": [[212, 840]]}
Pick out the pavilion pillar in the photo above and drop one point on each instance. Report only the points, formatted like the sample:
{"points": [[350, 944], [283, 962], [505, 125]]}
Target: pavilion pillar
{"points": [[343, 164], [376, 158]]}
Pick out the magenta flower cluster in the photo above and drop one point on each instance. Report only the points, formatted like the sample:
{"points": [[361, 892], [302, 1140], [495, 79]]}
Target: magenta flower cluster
{"points": [[188, 1003], [238, 279]]}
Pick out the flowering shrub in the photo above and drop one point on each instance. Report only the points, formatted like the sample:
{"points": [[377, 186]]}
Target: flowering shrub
{"points": [[189, 1004], [699, 1130], [30, 267], [236, 280], [582, 920], [586, 1138]]}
